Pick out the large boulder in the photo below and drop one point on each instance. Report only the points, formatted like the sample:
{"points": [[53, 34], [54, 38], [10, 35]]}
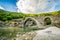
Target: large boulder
{"points": [[51, 33]]}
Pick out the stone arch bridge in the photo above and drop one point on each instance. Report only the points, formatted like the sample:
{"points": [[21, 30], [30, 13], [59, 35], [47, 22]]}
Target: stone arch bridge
{"points": [[41, 22]]}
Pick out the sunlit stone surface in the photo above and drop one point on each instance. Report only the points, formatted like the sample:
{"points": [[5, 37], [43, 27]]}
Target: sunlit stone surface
{"points": [[51, 33]]}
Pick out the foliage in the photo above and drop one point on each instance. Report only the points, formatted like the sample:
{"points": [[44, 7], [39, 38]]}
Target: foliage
{"points": [[9, 33], [6, 15]]}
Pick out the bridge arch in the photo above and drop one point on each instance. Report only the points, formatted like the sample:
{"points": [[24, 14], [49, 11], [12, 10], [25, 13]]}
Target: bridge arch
{"points": [[29, 22], [48, 20]]}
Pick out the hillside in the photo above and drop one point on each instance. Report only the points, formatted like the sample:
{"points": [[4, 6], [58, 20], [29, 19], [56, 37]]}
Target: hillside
{"points": [[6, 15]]}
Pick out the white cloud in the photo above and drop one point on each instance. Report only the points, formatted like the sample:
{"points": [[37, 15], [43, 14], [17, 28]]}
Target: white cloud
{"points": [[36, 6], [1, 7]]}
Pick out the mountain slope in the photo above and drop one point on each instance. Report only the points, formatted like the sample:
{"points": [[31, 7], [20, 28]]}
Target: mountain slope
{"points": [[6, 15]]}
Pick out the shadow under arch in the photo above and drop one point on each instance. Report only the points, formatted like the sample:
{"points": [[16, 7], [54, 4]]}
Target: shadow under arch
{"points": [[29, 22], [47, 21]]}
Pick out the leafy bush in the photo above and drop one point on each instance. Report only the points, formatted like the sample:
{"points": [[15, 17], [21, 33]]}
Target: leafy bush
{"points": [[6, 15]]}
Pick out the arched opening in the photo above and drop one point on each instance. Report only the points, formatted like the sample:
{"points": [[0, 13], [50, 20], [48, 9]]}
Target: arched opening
{"points": [[29, 22], [47, 21], [15, 24]]}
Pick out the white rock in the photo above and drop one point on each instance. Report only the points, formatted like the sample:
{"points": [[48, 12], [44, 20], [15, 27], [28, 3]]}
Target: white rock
{"points": [[51, 33]]}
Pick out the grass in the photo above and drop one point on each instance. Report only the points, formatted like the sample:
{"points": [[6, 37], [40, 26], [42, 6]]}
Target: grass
{"points": [[28, 29], [11, 32]]}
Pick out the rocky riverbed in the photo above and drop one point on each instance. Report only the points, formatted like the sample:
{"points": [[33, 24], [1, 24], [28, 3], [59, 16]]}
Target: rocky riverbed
{"points": [[51, 33]]}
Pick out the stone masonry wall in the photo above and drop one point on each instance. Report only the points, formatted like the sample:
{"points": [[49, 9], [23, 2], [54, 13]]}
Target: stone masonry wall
{"points": [[39, 20]]}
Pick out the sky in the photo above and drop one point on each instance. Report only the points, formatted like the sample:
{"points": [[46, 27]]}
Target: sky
{"points": [[8, 5], [30, 6]]}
